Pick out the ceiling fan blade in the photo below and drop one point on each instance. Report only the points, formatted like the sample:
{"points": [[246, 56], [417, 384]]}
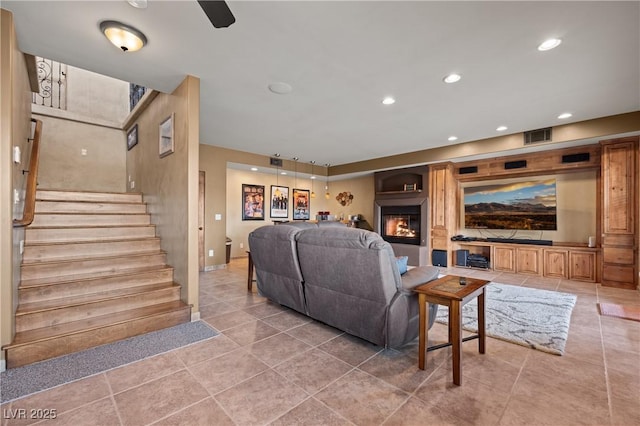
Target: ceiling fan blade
{"points": [[218, 13]]}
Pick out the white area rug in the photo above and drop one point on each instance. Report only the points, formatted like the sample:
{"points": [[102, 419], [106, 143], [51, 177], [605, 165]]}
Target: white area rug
{"points": [[538, 319]]}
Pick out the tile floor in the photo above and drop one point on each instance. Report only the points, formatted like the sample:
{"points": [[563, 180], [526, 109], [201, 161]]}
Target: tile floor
{"points": [[271, 366]]}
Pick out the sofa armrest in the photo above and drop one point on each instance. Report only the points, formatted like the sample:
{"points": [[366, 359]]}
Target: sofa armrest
{"points": [[420, 275]]}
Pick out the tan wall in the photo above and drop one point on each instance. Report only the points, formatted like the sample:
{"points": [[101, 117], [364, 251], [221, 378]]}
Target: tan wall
{"points": [[170, 184], [62, 165], [577, 209], [15, 117], [97, 96]]}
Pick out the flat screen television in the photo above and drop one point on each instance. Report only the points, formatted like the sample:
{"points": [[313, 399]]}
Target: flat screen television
{"points": [[523, 205]]}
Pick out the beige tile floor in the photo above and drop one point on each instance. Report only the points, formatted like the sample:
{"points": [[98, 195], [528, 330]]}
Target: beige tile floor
{"points": [[271, 366]]}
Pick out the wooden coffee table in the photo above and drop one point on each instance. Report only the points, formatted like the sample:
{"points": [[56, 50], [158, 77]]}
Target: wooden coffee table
{"points": [[448, 291]]}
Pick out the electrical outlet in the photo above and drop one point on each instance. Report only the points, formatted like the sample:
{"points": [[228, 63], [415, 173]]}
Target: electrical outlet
{"points": [[21, 246], [83, 151], [211, 253], [218, 216], [16, 196], [132, 184], [241, 245]]}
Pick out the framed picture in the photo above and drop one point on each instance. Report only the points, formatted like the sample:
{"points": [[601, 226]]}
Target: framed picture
{"points": [[301, 204], [279, 201], [252, 202], [132, 137], [166, 143]]}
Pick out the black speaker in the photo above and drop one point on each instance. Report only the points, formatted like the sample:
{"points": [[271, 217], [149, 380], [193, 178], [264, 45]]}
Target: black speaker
{"points": [[439, 258], [576, 158], [467, 170], [462, 257]]}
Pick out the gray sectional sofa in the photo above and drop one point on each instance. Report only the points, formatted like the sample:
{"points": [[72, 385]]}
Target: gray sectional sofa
{"points": [[344, 277]]}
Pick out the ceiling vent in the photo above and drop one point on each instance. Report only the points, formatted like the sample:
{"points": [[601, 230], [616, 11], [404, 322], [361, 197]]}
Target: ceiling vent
{"points": [[537, 136]]}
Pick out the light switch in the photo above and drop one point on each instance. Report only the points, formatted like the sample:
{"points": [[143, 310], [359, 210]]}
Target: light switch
{"points": [[218, 216], [16, 154], [211, 253]]}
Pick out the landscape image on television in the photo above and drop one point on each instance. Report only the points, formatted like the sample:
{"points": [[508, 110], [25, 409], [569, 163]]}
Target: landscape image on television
{"points": [[529, 205]]}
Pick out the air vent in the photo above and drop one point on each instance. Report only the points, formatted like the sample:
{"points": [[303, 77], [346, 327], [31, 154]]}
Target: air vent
{"points": [[467, 170], [275, 162], [537, 136], [520, 164], [576, 158]]}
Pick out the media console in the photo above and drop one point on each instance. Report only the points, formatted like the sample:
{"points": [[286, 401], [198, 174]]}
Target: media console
{"points": [[569, 261]]}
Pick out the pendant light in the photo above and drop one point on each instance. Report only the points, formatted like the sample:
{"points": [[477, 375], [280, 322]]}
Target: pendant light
{"points": [[326, 186], [313, 194]]}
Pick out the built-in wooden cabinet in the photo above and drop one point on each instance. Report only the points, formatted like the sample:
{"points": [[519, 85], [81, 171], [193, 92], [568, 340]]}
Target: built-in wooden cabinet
{"points": [[619, 212], [442, 199], [567, 262]]}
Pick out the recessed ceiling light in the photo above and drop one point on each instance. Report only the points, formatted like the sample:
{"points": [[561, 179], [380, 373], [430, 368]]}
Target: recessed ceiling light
{"points": [[388, 101], [452, 78], [452, 138], [564, 115], [501, 128], [254, 169], [280, 88], [283, 173], [549, 44], [313, 177]]}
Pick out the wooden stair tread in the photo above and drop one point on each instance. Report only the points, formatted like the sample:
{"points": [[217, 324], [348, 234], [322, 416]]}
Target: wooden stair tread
{"points": [[100, 240], [45, 333], [63, 279], [85, 257], [63, 302]]}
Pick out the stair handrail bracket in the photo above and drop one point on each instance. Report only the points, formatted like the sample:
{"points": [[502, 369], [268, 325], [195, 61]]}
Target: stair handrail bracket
{"points": [[32, 179]]}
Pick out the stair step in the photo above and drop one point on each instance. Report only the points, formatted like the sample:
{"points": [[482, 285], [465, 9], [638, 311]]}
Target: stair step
{"points": [[58, 195], [50, 313], [66, 234], [88, 207], [90, 219], [44, 252], [38, 290], [99, 265], [40, 344]]}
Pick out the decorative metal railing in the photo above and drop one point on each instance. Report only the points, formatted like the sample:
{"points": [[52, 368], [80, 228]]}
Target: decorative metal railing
{"points": [[135, 94], [52, 78]]}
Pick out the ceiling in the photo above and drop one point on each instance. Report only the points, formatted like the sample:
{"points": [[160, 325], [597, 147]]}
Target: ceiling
{"points": [[343, 58]]}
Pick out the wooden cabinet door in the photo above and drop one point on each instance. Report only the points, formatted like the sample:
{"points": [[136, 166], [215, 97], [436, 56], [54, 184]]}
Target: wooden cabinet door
{"points": [[504, 259], [442, 203], [555, 263], [582, 265], [528, 260]]}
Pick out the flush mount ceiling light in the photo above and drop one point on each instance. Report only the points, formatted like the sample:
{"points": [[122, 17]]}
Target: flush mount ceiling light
{"points": [[501, 128], [549, 44], [123, 36], [452, 78], [388, 101], [564, 115]]}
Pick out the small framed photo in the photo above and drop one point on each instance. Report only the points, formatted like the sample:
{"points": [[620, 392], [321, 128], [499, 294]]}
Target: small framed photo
{"points": [[166, 142], [410, 187], [132, 137], [252, 202], [279, 201], [301, 204]]}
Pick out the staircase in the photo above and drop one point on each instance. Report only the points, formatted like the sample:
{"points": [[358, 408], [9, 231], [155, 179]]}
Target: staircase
{"points": [[92, 273]]}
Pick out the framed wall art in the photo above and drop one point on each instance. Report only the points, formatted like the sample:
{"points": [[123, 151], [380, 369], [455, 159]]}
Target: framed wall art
{"points": [[132, 137], [166, 141], [252, 202], [301, 204], [279, 201]]}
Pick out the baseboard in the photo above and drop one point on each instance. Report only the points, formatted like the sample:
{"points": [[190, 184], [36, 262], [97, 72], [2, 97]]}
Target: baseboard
{"points": [[195, 316], [214, 267]]}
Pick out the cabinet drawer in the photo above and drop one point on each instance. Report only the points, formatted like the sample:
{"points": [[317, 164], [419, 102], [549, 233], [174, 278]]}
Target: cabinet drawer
{"points": [[618, 274], [622, 256]]}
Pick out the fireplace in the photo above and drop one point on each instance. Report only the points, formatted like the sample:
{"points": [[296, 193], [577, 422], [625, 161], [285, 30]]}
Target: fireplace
{"points": [[400, 224], [401, 209]]}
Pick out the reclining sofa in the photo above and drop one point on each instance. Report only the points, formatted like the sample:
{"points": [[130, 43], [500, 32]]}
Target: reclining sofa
{"points": [[345, 277]]}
